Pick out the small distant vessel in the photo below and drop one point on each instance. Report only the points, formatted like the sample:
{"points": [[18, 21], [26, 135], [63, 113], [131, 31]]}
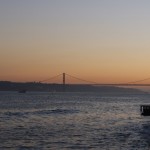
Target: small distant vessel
{"points": [[145, 110], [22, 91]]}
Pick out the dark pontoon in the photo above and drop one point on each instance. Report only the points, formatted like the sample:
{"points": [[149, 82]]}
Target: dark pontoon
{"points": [[145, 110]]}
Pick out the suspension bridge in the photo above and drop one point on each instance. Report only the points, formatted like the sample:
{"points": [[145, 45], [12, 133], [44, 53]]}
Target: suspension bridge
{"points": [[82, 81]]}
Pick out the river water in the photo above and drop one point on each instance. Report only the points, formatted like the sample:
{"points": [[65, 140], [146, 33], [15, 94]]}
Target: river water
{"points": [[60, 121]]}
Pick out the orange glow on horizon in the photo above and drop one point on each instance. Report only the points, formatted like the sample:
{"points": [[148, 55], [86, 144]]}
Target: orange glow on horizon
{"points": [[40, 41]]}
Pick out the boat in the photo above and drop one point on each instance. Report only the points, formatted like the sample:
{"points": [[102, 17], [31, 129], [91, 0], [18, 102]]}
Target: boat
{"points": [[145, 110], [22, 91]]}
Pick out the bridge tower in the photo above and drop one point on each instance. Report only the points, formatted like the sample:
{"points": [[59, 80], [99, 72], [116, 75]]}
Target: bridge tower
{"points": [[64, 82]]}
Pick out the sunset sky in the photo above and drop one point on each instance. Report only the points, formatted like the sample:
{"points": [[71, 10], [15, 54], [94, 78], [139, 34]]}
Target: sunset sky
{"points": [[106, 41]]}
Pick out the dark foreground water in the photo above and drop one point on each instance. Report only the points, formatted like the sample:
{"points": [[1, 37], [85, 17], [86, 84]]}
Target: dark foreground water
{"points": [[57, 121]]}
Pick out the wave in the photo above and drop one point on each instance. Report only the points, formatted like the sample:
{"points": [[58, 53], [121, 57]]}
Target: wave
{"points": [[41, 112]]}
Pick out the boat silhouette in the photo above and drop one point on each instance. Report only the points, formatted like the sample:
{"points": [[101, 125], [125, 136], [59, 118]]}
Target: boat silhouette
{"points": [[22, 91]]}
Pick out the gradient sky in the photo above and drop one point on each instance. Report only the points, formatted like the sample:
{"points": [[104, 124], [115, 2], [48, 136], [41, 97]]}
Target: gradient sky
{"points": [[106, 41]]}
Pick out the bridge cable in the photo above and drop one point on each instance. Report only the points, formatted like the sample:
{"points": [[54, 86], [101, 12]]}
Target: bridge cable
{"points": [[51, 78], [132, 82], [81, 79]]}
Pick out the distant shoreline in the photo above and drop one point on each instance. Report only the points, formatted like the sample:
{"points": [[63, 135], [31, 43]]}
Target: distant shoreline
{"points": [[45, 87]]}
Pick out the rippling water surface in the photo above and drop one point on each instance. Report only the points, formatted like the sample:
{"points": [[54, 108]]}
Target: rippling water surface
{"points": [[56, 121]]}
